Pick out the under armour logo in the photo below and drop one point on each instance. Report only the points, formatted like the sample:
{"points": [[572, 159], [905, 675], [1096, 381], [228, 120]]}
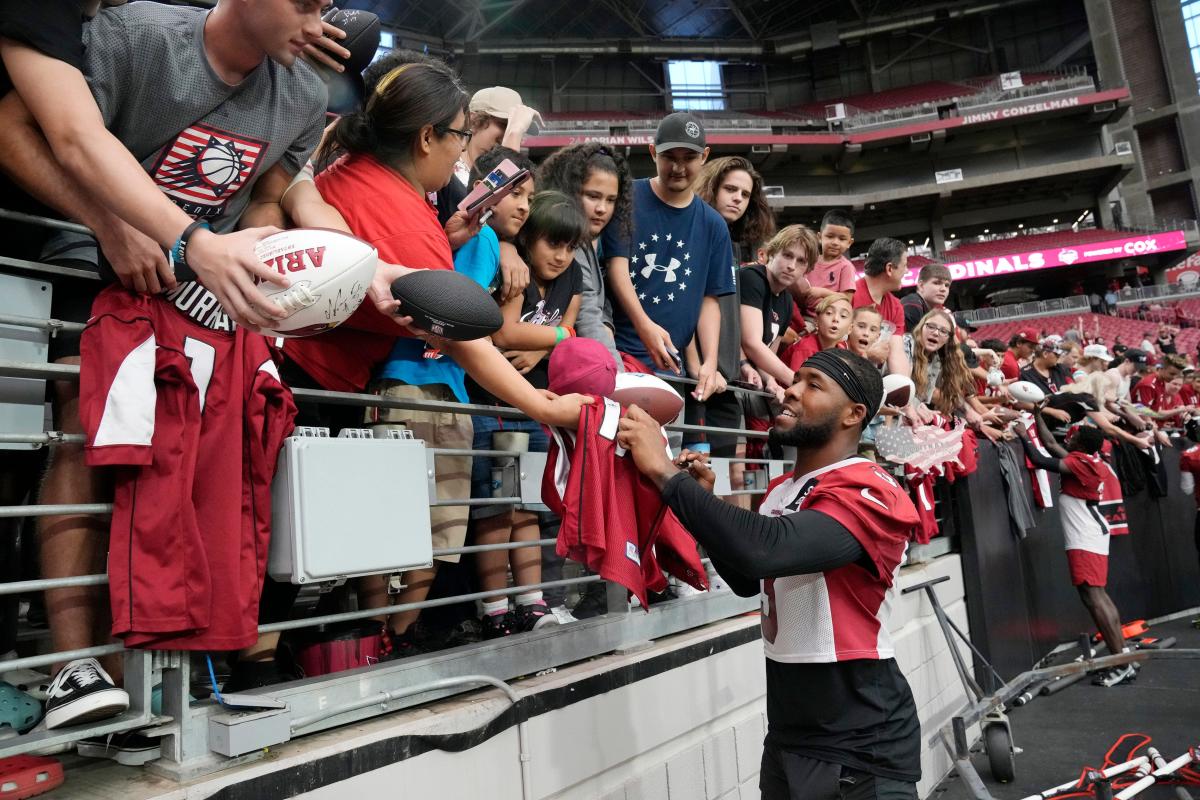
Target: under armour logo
{"points": [[653, 266]]}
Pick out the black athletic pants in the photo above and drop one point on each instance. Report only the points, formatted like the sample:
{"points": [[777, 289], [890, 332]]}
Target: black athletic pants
{"points": [[789, 776]]}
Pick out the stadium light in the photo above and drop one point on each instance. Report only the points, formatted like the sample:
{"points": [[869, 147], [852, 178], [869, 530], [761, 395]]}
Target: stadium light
{"points": [[954, 236], [1020, 224], [987, 230], [1054, 221]]}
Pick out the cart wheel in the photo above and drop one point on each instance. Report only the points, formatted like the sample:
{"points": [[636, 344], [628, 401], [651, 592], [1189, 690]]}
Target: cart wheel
{"points": [[1001, 757]]}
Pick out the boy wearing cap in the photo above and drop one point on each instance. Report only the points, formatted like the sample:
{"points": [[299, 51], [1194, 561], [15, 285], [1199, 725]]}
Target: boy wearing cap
{"points": [[1042, 371], [1020, 348], [667, 276]]}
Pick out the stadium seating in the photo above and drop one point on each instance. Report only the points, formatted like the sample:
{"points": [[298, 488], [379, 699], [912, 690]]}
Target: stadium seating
{"points": [[1131, 331]]}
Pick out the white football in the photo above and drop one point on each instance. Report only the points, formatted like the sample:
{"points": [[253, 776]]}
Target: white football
{"points": [[329, 273], [897, 390], [1026, 392]]}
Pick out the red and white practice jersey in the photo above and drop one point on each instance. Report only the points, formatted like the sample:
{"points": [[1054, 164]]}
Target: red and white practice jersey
{"points": [[841, 614], [192, 419], [614, 520]]}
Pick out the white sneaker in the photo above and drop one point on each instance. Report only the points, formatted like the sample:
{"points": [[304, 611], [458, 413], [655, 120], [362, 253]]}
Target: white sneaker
{"points": [[564, 615], [83, 692], [1115, 675]]}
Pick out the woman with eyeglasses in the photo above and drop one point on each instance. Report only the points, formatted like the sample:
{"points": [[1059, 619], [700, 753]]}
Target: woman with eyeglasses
{"points": [[940, 374], [390, 157]]}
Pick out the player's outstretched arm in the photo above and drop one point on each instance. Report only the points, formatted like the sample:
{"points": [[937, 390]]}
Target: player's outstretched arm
{"points": [[751, 544]]}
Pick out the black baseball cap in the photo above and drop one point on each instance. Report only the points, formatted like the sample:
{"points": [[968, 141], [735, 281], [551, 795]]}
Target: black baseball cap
{"points": [[680, 129], [1137, 356]]}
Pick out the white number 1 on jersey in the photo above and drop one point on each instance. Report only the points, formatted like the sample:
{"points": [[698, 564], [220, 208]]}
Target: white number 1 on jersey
{"points": [[201, 358]]}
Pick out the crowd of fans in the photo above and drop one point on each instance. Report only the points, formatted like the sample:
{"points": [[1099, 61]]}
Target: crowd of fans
{"points": [[682, 272]]}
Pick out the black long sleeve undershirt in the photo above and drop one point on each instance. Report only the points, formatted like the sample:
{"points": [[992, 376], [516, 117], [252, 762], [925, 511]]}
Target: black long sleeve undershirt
{"points": [[746, 547], [1040, 459]]}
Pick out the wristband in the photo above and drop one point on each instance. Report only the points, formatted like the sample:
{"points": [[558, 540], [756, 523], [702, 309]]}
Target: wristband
{"points": [[744, 362], [560, 333], [570, 332], [178, 253]]}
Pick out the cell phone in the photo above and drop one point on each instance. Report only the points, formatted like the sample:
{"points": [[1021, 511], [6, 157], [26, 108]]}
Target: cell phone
{"points": [[495, 186], [678, 359]]}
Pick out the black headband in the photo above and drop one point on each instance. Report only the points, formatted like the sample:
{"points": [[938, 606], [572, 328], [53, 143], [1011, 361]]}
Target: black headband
{"points": [[825, 361]]}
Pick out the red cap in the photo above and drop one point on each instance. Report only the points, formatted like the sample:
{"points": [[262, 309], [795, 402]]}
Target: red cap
{"points": [[1028, 335], [582, 365]]}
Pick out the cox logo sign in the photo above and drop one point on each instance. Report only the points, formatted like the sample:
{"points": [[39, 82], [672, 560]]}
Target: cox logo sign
{"points": [[1141, 247]]}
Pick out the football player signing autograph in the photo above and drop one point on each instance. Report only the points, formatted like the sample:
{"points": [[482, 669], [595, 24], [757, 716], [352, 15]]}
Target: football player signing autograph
{"points": [[823, 552]]}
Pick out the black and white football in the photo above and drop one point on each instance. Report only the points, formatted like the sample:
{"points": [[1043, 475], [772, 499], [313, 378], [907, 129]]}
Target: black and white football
{"points": [[447, 304]]}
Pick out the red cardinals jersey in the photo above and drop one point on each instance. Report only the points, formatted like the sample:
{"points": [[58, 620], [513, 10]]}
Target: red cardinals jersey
{"points": [[841, 614], [1189, 462], [1085, 530], [613, 518], [192, 419]]}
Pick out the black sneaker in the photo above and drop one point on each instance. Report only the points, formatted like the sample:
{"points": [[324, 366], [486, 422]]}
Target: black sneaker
{"points": [[467, 631], [404, 645], [497, 625], [129, 748], [1115, 675], [533, 616], [593, 603], [83, 692]]}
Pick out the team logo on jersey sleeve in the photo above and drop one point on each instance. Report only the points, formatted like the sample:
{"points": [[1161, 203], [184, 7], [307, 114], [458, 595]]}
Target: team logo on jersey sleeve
{"points": [[206, 166]]}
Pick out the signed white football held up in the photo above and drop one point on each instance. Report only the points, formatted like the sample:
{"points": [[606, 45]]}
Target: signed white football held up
{"points": [[1026, 392], [329, 271]]}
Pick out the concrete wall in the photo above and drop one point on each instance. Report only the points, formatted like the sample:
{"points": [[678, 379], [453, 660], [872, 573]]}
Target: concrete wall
{"points": [[691, 733]]}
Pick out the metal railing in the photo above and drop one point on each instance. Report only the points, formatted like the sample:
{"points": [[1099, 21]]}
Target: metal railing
{"points": [[1165, 291], [326, 701], [1036, 308], [184, 724]]}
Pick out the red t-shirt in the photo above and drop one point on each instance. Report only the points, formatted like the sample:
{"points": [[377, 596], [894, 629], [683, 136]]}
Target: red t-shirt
{"points": [[194, 418], [838, 276], [802, 349], [614, 520], [1189, 461], [1151, 391], [889, 307], [840, 614], [1010, 367], [387, 211]]}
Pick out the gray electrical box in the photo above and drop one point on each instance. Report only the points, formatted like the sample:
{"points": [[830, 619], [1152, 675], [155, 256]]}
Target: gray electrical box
{"points": [[23, 400], [238, 732], [343, 507]]}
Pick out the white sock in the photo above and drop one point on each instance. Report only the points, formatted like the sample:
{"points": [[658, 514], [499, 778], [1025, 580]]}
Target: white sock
{"points": [[495, 608], [530, 598]]}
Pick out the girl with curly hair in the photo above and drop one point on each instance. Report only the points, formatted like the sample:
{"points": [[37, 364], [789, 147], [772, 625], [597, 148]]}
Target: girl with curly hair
{"points": [[600, 178]]}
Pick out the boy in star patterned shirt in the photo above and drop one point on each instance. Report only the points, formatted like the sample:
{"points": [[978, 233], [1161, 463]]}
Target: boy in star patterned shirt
{"points": [[667, 277]]}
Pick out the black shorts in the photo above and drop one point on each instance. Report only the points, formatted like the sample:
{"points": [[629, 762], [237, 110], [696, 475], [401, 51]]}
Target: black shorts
{"points": [[722, 410], [789, 776]]}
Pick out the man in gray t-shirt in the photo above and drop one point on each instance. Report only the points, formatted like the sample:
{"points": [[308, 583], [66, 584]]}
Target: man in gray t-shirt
{"points": [[205, 142], [221, 113]]}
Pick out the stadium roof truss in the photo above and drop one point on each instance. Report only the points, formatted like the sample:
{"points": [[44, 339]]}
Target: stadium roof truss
{"points": [[730, 28]]}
